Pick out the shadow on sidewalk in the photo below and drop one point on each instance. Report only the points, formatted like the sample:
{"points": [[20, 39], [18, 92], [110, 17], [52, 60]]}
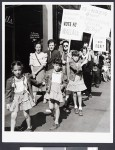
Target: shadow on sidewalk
{"points": [[37, 120], [96, 93], [63, 115]]}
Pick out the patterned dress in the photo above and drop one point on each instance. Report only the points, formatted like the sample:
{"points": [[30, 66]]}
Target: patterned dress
{"points": [[76, 84], [22, 99], [56, 92]]}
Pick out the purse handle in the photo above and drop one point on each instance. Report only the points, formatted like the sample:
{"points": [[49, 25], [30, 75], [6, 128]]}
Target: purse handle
{"points": [[37, 59]]}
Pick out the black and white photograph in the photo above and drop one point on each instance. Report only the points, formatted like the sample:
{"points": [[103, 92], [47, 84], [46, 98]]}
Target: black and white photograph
{"points": [[57, 72]]}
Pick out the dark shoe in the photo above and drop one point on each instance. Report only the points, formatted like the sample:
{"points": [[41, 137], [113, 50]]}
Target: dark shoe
{"points": [[97, 86], [66, 110], [90, 95], [83, 94], [80, 113], [19, 128], [55, 126], [76, 110]]}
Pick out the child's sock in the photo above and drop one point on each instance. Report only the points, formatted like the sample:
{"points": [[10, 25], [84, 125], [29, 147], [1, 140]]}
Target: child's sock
{"points": [[34, 94], [29, 127], [80, 108], [45, 100], [75, 106]]}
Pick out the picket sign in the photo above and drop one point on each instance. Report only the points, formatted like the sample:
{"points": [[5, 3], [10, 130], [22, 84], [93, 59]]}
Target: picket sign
{"points": [[96, 21], [71, 26], [71, 29], [89, 19], [99, 43]]}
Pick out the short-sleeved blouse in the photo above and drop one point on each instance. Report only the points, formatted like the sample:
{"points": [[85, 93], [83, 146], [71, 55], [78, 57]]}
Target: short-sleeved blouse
{"points": [[21, 85], [42, 57]]}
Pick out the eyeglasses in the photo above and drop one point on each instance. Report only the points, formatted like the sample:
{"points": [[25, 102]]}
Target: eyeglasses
{"points": [[65, 45]]}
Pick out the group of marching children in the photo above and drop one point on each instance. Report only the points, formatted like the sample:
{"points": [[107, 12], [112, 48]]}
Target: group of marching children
{"points": [[56, 72]]}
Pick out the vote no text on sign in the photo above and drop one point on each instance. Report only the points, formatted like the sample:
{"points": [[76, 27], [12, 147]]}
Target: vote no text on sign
{"points": [[71, 26]]}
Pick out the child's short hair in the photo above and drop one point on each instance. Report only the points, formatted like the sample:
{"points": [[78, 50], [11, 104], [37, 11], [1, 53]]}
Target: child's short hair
{"points": [[75, 53], [51, 41], [18, 63], [57, 61], [84, 47]]}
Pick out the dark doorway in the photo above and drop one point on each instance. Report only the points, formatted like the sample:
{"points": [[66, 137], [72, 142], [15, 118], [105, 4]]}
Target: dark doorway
{"points": [[27, 21]]}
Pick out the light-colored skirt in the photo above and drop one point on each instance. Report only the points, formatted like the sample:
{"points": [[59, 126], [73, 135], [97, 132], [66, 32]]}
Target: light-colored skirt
{"points": [[22, 101], [77, 85], [55, 93], [40, 77]]}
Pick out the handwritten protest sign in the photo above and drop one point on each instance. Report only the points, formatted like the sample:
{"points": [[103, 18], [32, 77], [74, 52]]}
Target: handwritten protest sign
{"points": [[96, 19], [99, 43], [71, 27]]}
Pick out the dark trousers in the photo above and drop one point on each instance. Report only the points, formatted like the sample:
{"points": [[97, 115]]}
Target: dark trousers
{"points": [[96, 77], [87, 76]]}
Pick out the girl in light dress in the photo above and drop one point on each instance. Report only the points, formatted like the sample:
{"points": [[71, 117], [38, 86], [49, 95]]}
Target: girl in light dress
{"points": [[56, 90], [76, 82], [38, 62], [19, 94]]}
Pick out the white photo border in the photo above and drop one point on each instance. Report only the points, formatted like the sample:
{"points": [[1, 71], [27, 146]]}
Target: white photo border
{"points": [[61, 137]]}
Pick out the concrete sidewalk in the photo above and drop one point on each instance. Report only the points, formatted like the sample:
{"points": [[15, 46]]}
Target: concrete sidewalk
{"points": [[96, 116]]}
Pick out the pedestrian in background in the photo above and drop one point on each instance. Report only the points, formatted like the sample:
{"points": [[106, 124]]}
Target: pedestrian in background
{"points": [[96, 70], [87, 68], [101, 63]]}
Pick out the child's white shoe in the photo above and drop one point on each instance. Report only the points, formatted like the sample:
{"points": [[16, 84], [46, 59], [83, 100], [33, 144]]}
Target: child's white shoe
{"points": [[48, 111], [44, 101]]}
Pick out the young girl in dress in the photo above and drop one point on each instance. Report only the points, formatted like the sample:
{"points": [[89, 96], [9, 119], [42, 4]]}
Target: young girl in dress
{"points": [[38, 62], [76, 82], [19, 94], [57, 85]]}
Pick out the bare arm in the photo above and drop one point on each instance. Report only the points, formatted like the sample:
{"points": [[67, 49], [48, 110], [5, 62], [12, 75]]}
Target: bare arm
{"points": [[72, 66], [33, 73]]}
